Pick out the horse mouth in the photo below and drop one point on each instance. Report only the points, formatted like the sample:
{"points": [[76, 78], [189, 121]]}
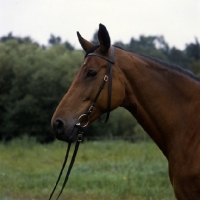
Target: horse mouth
{"points": [[74, 134], [69, 138], [72, 138]]}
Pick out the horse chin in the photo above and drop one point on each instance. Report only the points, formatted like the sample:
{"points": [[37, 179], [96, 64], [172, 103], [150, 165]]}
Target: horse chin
{"points": [[74, 134], [69, 138]]}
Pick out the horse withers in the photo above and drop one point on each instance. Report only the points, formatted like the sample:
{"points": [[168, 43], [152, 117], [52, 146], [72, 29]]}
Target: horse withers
{"points": [[164, 98]]}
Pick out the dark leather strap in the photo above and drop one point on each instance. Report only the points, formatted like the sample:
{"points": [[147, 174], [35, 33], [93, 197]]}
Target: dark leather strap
{"points": [[109, 75], [104, 57], [61, 171], [70, 165]]}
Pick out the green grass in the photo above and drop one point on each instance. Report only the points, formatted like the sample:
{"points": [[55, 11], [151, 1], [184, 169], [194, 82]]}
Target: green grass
{"points": [[103, 170]]}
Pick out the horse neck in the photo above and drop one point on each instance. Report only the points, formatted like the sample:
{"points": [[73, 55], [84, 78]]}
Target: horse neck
{"points": [[160, 99]]}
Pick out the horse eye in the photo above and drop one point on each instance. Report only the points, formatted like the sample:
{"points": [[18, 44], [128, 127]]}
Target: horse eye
{"points": [[91, 73]]}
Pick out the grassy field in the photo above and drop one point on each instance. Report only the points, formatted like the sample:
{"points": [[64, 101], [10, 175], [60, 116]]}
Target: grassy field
{"points": [[106, 170]]}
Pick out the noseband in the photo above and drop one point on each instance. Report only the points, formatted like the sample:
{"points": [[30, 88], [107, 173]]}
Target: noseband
{"points": [[107, 77]]}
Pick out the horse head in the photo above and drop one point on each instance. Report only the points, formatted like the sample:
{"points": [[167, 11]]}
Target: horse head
{"points": [[86, 89]]}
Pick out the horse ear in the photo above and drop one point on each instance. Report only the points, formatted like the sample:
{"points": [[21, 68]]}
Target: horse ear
{"points": [[86, 45], [104, 38]]}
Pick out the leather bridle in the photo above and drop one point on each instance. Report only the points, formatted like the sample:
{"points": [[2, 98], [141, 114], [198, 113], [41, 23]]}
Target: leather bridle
{"points": [[80, 125], [105, 79]]}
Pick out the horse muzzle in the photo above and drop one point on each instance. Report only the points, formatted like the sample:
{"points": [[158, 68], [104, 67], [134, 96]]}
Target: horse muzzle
{"points": [[65, 132]]}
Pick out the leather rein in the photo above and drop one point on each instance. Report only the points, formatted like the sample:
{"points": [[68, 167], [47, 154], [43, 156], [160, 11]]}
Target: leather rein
{"points": [[80, 125]]}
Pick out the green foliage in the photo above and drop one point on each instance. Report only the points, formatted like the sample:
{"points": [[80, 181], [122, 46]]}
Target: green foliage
{"points": [[103, 170], [34, 78], [54, 40], [32, 82], [193, 50], [154, 46]]}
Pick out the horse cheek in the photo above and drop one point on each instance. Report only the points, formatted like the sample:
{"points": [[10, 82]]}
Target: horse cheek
{"points": [[118, 95]]}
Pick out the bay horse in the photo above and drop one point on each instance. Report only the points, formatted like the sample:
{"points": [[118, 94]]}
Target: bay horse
{"points": [[164, 98]]}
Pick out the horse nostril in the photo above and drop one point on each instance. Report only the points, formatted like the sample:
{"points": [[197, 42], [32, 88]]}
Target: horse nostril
{"points": [[58, 126]]}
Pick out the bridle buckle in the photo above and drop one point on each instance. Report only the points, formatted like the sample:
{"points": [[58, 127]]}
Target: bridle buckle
{"points": [[80, 137], [105, 78]]}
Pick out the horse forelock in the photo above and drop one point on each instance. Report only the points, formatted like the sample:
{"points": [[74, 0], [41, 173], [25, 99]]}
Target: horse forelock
{"points": [[91, 50]]}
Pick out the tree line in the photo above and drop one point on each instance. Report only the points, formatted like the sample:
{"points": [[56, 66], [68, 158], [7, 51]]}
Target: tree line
{"points": [[34, 77]]}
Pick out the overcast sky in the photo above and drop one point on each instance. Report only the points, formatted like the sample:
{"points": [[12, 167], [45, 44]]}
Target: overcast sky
{"points": [[177, 20]]}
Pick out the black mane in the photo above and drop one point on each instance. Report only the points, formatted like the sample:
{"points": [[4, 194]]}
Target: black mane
{"points": [[171, 66], [163, 63]]}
